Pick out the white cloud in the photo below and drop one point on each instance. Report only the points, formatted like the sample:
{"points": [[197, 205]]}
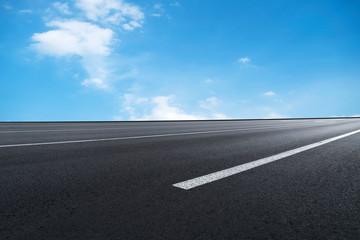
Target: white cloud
{"points": [[210, 104], [62, 8], [244, 60], [7, 6], [269, 94], [129, 102], [96, 82], [112, 11], [156, 108], [159, 10], [164, 110], [208, 80], [275, 115], [219, 116], [73, 37], [98, 67], [25, 11], [131, 26], [158, 6], [90, 38], [344, 116], [156, 15], [141, 100], [175, 4]]}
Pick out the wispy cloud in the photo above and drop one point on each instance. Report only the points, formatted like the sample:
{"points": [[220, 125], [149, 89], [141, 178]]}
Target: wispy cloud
{"points": [[97, 82], [244, 60], [211, 104], [275, 115], [166, 108], [163, 108], [158, 10], [156, 15], [62, 8], [158, 6], [7, 6], [175, 4], [335, 116], [115, 12], [269, 94], [24, 11]]}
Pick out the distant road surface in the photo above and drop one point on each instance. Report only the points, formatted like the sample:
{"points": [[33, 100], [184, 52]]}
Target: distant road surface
{"points": [[258, 179]]}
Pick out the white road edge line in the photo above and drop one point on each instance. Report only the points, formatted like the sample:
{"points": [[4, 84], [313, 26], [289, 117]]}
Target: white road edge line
{"points": [[68, 130], [102, 129], [139, 137], [196, 182]]}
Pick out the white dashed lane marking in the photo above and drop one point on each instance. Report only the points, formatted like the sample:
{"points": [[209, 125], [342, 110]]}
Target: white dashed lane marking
{"points": [[196, 182]]}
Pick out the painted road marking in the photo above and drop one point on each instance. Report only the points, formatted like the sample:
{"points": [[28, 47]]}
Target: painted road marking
{"points": [[140, 137], [196, 182], [118, 128], [69, 130]]}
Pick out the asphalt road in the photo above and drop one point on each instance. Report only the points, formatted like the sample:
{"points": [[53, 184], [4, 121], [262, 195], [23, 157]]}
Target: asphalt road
{"points": [[115, 180]]}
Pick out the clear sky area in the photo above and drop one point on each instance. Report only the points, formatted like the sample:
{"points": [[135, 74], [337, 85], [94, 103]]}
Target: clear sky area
{"points": [[185, 59]]}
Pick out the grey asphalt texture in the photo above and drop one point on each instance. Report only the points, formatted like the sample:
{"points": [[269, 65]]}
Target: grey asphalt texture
{"points": [[122, 189]]}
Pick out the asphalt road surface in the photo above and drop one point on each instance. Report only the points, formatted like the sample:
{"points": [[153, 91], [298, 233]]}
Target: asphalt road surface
{"points": [[261, 179]]}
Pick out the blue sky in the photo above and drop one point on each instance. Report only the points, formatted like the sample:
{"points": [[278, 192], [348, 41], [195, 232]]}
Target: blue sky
{"points": [[134, 60]]}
